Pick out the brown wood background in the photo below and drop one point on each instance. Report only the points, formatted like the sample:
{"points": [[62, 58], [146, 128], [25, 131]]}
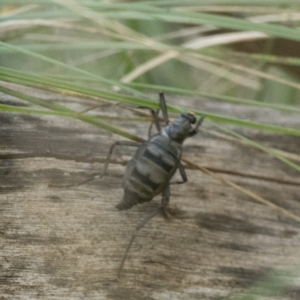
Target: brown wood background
{"points": [[68, 243]]}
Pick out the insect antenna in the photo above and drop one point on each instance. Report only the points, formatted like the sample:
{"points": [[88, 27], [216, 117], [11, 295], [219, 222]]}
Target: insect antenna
{"points": [[196, 129]]}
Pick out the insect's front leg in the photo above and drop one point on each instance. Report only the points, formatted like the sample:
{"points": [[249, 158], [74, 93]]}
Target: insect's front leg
{"points": [[110, 152]]}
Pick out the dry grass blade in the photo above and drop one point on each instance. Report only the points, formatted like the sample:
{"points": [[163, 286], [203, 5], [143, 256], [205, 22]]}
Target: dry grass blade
{"points": [[282, 17], [243, 190], [19, 10], [248, 70], [198, 43], [11, 25], [286, 154]]}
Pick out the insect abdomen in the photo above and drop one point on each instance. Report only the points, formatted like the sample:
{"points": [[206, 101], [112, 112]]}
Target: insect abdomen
{"points": [[150, 170]]}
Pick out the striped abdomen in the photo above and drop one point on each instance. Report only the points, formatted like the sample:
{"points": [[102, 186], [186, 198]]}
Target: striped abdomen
{"points": [[150, 170]]}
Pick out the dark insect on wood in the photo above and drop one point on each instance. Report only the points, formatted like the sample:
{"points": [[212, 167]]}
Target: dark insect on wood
{"points": [[154, 163]]}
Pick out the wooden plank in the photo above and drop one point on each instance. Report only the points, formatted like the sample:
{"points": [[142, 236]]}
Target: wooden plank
{"points": [[68, 243]]}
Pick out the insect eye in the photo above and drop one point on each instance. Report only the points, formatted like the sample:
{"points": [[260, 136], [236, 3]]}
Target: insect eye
{"points": [[190, 116]]}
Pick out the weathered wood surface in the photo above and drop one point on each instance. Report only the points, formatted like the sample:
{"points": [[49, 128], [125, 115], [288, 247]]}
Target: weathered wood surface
{"points": [[68, 243]]}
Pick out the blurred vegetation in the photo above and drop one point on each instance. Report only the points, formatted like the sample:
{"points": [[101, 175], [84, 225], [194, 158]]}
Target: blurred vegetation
{"points": [[239, 51], [242, 49]]}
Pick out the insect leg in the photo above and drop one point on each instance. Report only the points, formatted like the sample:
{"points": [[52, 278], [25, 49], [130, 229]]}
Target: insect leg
{"points": [[154, 117], [182, 173], [165, 197], [165, 201], [117, 143], [164, 110], [155, 121], [103, 172], [163, 107], [65, 186]]}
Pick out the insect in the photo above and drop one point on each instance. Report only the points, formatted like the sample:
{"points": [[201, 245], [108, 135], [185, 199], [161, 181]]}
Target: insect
{"points": [[154, 163]]}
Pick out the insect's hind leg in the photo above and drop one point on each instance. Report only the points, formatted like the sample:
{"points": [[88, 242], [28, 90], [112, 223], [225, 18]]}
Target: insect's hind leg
{"points": [[160, 209]]}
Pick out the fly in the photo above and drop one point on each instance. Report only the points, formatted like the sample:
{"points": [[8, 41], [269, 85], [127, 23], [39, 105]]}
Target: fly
{"points": [[154, 163]]}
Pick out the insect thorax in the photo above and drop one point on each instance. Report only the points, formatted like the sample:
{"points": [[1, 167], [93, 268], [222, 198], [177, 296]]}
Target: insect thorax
{"points": [[179, 130]]}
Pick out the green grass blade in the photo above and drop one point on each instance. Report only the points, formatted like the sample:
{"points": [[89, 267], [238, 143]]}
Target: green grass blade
{"points": [[231, 99], [154, 105], [77, 70], [63, 113]]}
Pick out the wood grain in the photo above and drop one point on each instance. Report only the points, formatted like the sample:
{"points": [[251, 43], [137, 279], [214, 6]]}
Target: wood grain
{"points": [[67, 243]]}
